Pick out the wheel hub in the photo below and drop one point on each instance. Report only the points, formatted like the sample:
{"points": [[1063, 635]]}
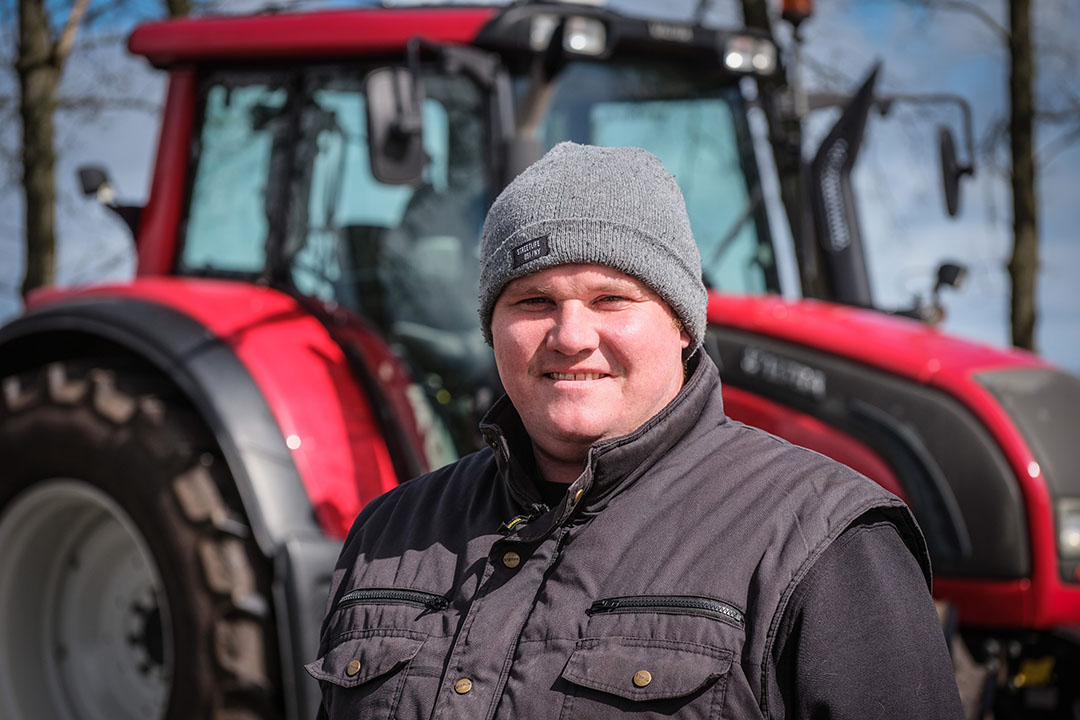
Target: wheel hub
{"points": [[83, 618]]}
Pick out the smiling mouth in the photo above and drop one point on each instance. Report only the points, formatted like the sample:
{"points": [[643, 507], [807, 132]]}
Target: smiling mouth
{"points": [[576, 376]]}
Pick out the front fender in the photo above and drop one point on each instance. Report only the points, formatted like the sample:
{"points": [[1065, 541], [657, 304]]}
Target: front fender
{"points": [[294, 426]]}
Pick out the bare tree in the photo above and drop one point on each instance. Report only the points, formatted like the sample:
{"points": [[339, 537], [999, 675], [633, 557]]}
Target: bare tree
{"points": [[178, 8], [1025, 54], [1024, 263], [1025, 110], [39, 64]]}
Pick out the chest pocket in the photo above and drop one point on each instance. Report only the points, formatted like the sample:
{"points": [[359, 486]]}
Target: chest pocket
{"points": [[647, 658], [362, 675], [369, 660]]}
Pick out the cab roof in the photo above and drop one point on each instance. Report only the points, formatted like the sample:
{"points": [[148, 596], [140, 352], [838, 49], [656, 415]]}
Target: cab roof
{"points": [[326, 34]]}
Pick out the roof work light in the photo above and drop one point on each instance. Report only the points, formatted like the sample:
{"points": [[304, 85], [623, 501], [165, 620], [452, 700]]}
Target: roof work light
{"points": [[581, 35], [585, 35], [749, 54]]}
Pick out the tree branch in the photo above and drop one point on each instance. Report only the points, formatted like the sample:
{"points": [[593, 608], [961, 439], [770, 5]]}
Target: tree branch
{"points": [[101, 9], [996, 132], [833, 77], [178, 8], [99, 103], [98, 41], [1058, 115], [67, 36], [971, 8], [1051, 149]]}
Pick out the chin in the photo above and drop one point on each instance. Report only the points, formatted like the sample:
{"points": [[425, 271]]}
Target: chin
{"points": [[581, 430]]}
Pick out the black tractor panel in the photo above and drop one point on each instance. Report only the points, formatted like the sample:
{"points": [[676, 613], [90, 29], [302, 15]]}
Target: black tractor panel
{"points": [[957, 481]]}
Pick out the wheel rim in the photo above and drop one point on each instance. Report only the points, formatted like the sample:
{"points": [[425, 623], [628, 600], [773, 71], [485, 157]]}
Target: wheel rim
{"points": [[83, 617]]}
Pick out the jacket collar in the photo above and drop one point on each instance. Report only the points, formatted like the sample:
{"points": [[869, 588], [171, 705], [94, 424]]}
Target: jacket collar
{"points": [[611, 464]]}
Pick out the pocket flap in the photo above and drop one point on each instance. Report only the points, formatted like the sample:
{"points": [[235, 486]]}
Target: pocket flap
{"points": [[643, 669], [358, 660]]}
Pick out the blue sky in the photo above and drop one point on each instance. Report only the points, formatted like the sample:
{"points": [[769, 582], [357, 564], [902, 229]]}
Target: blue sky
{"points": [[897, 178], [897, 181]]}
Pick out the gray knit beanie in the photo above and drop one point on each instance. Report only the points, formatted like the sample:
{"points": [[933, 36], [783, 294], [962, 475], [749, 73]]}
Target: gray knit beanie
{"points": [[616, 207]]}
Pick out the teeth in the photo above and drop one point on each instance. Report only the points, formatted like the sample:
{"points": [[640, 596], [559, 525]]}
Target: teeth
{"points": [[575, 376]]}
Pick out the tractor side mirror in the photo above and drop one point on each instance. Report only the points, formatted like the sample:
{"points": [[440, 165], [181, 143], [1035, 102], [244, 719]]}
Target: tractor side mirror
{"points": [[395, 125], [950, 274], [95, 181], [951, 170]]}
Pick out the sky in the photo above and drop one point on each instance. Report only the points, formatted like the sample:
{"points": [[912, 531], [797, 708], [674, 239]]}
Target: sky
{"points": [[897, 179]]}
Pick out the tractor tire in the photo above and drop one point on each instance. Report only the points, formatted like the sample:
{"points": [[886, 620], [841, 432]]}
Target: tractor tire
{"points": [[130, 583]]}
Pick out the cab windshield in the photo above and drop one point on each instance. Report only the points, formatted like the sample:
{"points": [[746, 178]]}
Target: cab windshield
{"points": [[283, 190], [696, 125]]}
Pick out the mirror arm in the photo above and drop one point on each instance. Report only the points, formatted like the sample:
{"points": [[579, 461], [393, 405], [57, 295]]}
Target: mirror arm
{"points": [[942, 99], [480, 65], [884, 103]]}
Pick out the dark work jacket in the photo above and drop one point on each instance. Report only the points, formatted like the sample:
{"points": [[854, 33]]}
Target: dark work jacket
{"points": [[657, 585]]}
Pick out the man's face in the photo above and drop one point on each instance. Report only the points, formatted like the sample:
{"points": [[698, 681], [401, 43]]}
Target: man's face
{"points": [[585, 353]]}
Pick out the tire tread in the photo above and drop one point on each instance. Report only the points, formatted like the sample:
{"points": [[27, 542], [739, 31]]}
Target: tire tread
{"points": [[127, 403]]}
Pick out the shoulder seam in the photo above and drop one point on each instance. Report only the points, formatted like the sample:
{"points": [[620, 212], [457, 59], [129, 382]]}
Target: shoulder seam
{"points": [[811, 558]]}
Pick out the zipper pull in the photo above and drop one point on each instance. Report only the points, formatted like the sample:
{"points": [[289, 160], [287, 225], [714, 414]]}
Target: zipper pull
{"points": [[437, 603], [602, 606], [513, 523]]}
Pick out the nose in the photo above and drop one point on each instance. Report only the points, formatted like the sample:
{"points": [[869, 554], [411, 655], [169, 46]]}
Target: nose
{"points": [[574, 331]]}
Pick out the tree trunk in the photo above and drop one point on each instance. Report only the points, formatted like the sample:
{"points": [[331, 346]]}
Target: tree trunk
{"points": [[178, 8], [1024, 263], [39, 76]]}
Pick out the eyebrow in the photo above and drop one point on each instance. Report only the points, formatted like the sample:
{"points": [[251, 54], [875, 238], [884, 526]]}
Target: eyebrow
{"points": [[619, 287], [623, 287], [531, 289]]}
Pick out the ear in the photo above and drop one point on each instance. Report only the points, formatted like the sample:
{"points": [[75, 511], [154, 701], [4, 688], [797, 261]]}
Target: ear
{"points": [[684, 338]]}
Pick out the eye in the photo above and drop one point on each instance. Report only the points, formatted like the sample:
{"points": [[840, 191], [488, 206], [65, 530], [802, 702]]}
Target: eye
{"points": [[534, 301], [613, 300]]}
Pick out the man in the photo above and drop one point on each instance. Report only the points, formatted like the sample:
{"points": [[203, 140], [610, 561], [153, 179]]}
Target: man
{"points": [[623, 548]]}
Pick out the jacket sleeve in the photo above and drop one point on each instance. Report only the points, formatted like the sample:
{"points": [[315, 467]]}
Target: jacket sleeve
{"points": [[860, 637]]}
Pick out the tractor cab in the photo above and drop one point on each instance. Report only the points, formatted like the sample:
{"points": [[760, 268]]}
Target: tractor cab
{"points": [[362, 183]]}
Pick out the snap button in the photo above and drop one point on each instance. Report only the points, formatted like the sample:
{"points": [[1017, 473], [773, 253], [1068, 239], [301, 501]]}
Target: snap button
{"points": [[578, 494], [353, 668], [642, 678], [463, 686], [511, 559]]}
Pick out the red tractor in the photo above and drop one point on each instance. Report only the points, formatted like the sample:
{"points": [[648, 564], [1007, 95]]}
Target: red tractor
{"points": [[184, 453]]}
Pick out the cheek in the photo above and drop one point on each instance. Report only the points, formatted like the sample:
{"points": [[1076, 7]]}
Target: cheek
{"points": [[651, 342], [514, 348]]}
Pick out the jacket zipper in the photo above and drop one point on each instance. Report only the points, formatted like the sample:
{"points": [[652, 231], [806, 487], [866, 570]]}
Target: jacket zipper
{"points": [[517, 522], [682, 604], [392, 596]]}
